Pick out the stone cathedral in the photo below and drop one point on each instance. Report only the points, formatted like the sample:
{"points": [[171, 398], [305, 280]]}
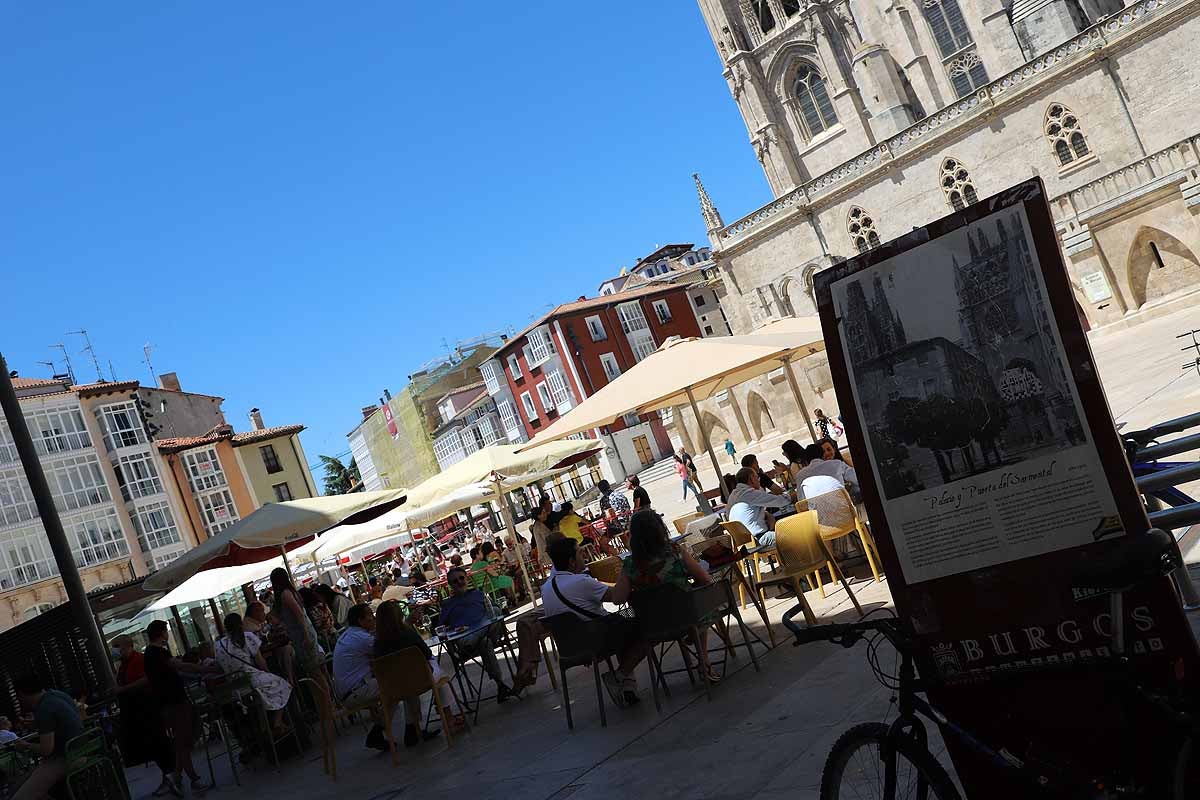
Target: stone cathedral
{"points": [[872, 117]]}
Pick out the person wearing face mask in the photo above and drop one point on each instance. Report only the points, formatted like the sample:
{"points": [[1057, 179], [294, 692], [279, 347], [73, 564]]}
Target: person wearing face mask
{"points": [[143, 735]]}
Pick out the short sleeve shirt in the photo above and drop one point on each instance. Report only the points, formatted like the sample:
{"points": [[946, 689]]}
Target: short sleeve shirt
{"points": [[352, 659], [57, 713], [165, 681], [583, 591]]}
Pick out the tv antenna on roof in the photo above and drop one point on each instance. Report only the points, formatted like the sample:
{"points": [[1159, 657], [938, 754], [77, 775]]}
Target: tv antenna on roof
{"points": [[146, 351], [49, 364], [67, 360], [89, 350]]}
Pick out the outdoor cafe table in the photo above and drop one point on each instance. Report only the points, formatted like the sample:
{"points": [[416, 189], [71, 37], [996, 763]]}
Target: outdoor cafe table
{"points": [[733, 571], [472, 693]]}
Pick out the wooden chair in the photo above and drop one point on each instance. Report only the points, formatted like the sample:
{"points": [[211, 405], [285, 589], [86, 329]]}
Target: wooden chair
{"points": [[837, 517], [741, 537], [801, 551], [681, 523], [606, 570], [329, 712], [403, 674]]}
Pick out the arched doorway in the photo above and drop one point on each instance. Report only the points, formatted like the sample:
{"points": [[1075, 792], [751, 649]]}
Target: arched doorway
{"points": [[715, 428], [1159, 265], [761, 420]]}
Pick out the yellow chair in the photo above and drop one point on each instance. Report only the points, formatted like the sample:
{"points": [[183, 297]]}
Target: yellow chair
{"points": [[605, 570], [741, 536], [681, 523], [403, 674], [330, 712], [801, 551], [838, 518]]}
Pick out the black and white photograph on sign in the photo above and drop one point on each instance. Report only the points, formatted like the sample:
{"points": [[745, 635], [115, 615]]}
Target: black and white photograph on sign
{"points": [[960, 372], [973, 423]]}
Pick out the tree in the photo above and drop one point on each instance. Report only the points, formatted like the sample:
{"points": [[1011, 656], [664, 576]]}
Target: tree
{"points": [[339, 479]]}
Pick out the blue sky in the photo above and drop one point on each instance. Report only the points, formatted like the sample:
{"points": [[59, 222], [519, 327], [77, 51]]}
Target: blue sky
{"points": [[295, 203]]}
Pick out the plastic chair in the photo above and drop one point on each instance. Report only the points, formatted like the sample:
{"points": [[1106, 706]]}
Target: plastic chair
{"points": [[837, 517], [606, 570], [330, 712], [403, 674], [91, 773], [580, 643], [742, 537], [681, 523], [801, 551]]}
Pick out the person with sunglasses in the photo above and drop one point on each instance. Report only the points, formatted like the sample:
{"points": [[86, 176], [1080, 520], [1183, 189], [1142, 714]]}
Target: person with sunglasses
{"points": [[467, 608]]}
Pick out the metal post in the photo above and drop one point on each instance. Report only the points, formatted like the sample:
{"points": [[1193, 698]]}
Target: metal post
{"points": [[81, 610], [713, 456], [217, 622], [791, 376], [180, 630], [506, 510]]}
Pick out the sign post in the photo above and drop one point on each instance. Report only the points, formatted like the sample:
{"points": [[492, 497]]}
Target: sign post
{"points": [[992, 468]]}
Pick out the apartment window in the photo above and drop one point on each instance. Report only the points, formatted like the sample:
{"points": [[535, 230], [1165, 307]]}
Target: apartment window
{"points": [[611, 369], [700, 300], [77, 482], [508, 418], [155, 526], [595, 327], [27, 557], [161, 561], [97, 538], [632, 318], [488, 432], [269, 459], [122, 425], [544, 395], [8, 448], [559, 391], [57, 430], [708, 330], [957, 47], [527, 404], [663, 311], [204, 469], [282, 492], [514, 368], [138, 476], [631, 420], [490, 380], [36, 611], [218, 510], [642, 346], [540, 347], [448, 448], [16, 501]]}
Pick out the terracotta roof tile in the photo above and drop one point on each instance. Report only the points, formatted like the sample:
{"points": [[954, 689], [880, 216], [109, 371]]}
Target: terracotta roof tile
{"points": [[174, 445], [250, 437], [36, 383], [104, 387]]}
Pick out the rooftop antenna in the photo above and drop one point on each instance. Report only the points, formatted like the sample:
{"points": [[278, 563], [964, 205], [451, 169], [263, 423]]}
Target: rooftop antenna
{"points": [[146, 351], [89, 350], [49, 364], [67, 360], [112, 373]]}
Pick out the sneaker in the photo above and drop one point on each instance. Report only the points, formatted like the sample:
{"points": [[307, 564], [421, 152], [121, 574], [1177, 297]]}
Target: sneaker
{"points": [[612, 682]]}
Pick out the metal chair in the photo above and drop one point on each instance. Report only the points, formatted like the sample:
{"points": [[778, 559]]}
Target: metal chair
{"points": [[580, 643], [403, 674], [801, 551], [91, 773]]}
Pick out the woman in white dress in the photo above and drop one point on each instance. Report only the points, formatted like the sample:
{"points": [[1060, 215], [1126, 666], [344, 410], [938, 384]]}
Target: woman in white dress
{"points": [[238, 651]]}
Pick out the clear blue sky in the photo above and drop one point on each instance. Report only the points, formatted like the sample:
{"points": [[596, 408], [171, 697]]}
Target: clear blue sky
{"points": [[295, 203]]}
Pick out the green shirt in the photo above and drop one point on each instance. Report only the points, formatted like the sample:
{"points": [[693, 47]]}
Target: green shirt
{"points": [[57, 713]]}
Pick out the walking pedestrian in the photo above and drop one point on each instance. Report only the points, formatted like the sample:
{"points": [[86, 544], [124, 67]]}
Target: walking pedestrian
{"points": [[729, 448]]}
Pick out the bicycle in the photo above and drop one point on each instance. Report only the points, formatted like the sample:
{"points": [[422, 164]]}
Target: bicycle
{"points": [[894, 761]]}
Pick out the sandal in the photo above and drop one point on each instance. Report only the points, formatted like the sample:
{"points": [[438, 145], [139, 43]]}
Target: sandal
{"points": [[711, 676]]}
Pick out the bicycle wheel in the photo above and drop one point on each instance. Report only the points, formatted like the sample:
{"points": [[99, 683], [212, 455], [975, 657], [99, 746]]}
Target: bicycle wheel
{"points": [[854, 769]]}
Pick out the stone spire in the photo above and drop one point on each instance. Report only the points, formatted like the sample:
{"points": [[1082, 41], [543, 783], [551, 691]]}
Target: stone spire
{"points": [[712, 217]]}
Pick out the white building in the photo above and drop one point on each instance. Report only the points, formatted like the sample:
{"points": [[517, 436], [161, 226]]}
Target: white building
{"points": [[469, 422]]}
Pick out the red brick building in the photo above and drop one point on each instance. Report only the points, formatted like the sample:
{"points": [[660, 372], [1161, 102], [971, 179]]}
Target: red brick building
{"points": [[575, 350]]}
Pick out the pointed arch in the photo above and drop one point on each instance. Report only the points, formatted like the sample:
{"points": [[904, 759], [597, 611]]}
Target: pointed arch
{"points": [[861, 227], [714, 426], [1158, 265], [957, 184], [1065, 135], [761, 420]]}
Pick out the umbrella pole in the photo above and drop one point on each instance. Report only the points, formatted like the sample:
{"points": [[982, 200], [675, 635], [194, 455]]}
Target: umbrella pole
{"points": [[506, 511], [791, 376], [286, 565], [711, 454]]}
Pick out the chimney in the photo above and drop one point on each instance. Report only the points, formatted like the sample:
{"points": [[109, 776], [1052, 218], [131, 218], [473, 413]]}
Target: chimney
{"points": [[169, 380], [582, 297], [367, 411], [256, 419], [388, 395]]}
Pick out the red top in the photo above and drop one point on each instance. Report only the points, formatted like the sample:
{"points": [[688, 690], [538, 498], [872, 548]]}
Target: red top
{"points": [[131, 669]]}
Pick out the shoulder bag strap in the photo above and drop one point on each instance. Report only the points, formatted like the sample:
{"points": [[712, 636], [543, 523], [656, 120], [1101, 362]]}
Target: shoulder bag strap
{"points": [[580, 611]]}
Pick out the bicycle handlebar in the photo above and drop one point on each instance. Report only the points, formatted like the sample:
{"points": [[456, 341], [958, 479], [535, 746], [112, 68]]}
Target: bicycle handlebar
{"points": [[1144, 437], [847, 634]]}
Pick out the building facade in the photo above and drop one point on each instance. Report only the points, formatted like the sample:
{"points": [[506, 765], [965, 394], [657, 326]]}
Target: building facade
{"points": [[575, 350], [684, 265], [470, 422], [871, 119]]}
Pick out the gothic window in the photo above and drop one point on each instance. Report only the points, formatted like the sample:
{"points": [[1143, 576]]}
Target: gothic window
{"points": [[957, 47], [956, 183], [812, 100], [861, 226], [761, 10], [1065, 135]]}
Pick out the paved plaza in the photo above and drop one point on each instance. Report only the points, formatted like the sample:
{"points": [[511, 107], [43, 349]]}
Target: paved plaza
{"points": [[764, 735]]}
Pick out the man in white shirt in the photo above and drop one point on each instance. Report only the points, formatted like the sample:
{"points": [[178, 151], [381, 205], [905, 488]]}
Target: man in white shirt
{"points": [[748, 504], [571, 590], [833, 468]]}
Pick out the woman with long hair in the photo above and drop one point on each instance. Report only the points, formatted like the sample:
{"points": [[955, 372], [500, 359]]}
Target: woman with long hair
{"points": [[239, 651], [653, 561], [299, 627], [318, 613], [830, 451], [793, 451], [393, 634]]}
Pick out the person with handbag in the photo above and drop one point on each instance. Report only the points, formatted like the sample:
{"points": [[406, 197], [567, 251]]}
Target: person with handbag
{"points": [[239, 651]]}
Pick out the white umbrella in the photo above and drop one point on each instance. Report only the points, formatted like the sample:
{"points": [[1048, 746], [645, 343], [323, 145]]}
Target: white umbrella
{"points": [[209, 583]]}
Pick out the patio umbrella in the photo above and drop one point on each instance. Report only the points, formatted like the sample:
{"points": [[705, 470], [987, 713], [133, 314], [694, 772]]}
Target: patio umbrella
{"points": [[688, 370], [490, 474], [271, 531], [209, 583], [349, 535]]}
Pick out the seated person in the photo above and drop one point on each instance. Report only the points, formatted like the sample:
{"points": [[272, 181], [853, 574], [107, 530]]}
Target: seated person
{"points": [[830, 451], [748, 504], [468, 609], [57, 720], [816, 464], [238, 652], [653, 561], [491, 562], [751, 461], [393, 634], [353, 682], [571, 589], [569, 522]]}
